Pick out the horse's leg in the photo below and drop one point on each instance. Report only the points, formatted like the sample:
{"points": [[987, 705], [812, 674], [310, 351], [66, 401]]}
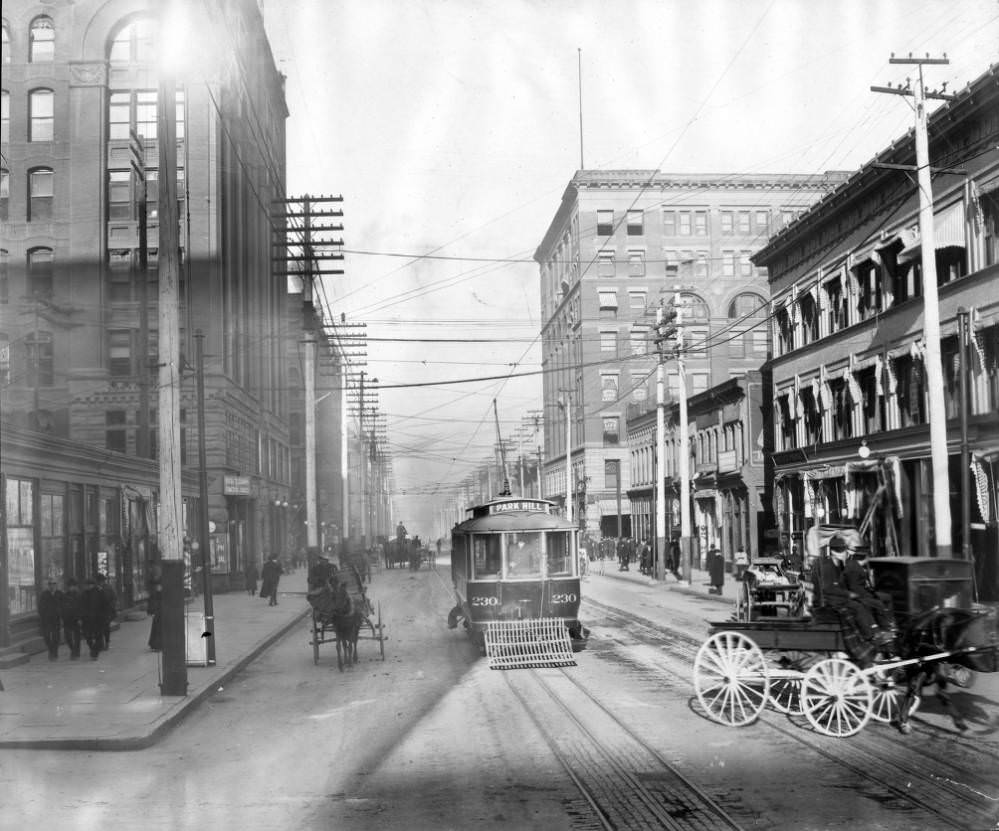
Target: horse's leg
{"points": [[914, 684], [944, 698]]}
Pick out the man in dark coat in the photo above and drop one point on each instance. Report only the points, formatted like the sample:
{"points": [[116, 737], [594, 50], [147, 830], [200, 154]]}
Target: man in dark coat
{"points": [[70, 611], [49, 611], [112, 607], [93, 616], [830, 592], [716, 570], [270, 574], [854, 580], [250, 577]]}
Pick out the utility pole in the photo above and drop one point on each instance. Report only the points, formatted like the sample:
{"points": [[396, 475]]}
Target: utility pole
{"points": [[567, 405], [931, 309], [170, 530], [964, 351], [203, 532], [660, 475], [311, 512]]}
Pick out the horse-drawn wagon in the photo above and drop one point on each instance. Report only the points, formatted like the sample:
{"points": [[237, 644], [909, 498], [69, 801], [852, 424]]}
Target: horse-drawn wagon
{"points": [[809, 665], [341, 610]]}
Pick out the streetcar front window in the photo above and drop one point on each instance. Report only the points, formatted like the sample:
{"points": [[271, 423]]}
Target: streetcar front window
{"points": [[523, 554], [487, 557], [559, 554]]}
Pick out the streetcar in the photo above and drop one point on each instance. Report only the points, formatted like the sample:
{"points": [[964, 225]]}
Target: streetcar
{"points": [[515, 569]]}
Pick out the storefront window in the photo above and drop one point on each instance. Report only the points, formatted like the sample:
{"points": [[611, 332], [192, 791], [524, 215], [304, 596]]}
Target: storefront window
{"points": [[220, 553], [53, 536], [20, 546]]}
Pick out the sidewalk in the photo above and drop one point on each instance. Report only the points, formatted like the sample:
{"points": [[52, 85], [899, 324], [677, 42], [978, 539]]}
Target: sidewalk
{"points": [[699, 585], [114, 703]]}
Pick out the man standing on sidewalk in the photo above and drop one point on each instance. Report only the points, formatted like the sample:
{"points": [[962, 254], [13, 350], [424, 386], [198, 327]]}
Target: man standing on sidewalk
{"points": [[49, 602], [111, 607], [270, 574], [93, 616], [70, 613]]}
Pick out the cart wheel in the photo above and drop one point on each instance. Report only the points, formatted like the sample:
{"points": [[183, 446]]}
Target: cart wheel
{"points": [[315, 639], [731, 679], [381, 635], [785, 695], [889, 696], [837, 697]]}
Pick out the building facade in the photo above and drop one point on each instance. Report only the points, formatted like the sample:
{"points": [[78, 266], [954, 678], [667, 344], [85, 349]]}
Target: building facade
{"points": [[851, 440], [621, 243], [79, 289]]}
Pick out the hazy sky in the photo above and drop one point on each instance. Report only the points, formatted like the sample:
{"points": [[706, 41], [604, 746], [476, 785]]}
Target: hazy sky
{"points": [[451, 128]]}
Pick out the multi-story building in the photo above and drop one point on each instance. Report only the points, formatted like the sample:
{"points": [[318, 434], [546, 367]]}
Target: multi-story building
{"points": [[851, 439], [730, 500], [78, 289], [619, 243]]}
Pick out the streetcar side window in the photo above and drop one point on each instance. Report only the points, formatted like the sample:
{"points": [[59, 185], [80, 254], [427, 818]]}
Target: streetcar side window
{"points": [[523, 554], [559, 554], [486, 556]]}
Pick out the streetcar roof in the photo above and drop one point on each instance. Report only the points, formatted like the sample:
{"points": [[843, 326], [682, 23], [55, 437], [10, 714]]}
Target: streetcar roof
{"points": [[523, 521]]}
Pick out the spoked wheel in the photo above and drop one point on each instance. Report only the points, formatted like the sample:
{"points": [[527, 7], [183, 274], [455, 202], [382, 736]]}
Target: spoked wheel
{"points": [[889, 698], [785, 695], [731, 679], [745, 610], [836, 697]]}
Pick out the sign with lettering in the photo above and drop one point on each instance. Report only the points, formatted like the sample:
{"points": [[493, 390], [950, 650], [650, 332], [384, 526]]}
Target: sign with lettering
{"points": [[520, 505], [236, 485]]}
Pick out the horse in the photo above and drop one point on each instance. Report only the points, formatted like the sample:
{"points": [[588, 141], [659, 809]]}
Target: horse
{"points": [[346, 619], [939, 637]]}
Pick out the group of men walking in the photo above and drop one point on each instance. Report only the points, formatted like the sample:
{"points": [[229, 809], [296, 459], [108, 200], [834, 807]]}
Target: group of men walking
{"points": [[77, 615]]}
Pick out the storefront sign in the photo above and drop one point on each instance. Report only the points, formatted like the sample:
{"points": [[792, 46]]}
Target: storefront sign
{"points": [[236, 485]]}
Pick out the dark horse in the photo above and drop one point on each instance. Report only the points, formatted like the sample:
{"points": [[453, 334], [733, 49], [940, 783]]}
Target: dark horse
{"points": [[939, 637], [335, 607]]}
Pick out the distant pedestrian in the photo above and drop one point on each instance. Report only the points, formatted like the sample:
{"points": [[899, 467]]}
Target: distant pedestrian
{"points": [[69, 611], [154, 607], [49, 615], [93, 615], [716, 570], [112, 607], [270, 574], [250, 577], [645, 558], [673, 560]]}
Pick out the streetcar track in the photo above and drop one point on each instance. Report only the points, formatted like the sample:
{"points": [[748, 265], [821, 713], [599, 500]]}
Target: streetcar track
{"points": [[956, 801]]}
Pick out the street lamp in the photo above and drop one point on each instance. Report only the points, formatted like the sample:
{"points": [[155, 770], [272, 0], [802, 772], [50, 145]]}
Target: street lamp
{"points": [[863, 451]]}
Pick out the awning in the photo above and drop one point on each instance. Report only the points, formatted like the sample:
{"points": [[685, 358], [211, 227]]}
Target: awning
{"points": [[948, 232]]}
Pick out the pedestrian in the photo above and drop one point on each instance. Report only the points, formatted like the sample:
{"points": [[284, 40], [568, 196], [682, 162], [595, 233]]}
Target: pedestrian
{"points": [[646, 558], [250, 575], [741, 561], [154, 607], [716, 570], [69, 611], [93, 614], [673, 559], [112, 607], [270, 574], [49, 609]]}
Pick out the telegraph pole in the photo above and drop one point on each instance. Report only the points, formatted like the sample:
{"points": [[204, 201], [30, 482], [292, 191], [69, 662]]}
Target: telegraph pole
{"points": [[203, 532], [567, 404], [659, 479], [171, 518], [931, 309]]}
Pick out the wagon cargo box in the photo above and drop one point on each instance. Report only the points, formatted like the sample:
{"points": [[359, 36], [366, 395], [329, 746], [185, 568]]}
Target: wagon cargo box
{"points": [[918, 584]]}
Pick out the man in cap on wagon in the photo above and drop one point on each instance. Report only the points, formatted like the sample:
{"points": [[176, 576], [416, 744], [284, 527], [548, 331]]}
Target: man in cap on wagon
{"points": [[830, 592]]}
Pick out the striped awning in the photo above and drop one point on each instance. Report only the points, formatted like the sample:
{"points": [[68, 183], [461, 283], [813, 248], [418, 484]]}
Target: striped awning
{"points": [[948, 231]]}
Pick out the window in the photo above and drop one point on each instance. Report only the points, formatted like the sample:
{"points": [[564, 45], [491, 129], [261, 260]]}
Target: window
{"points": [[698, 382], [868, 276], [40, 265], [636, 264], [836, 311], [605, 223], [145, 115], [842, 409], [611, 430], [612, 473], [910, 390], [700, 223], [608, 341], [685, 226], [40, 194], [41, 115], [606, 267], [745, 226], [872, 409], [120, 116], [4, 193], [762, 223], [120, 275], [134, 43], [639, 340], [41, 40], [608, 303], [728, 263], [120, 353], [115, 431], [989, 204], [119, 194], [636, 223], [784, 331], [727, 224], [669, 223], [486, 556], [745, 264], [5, 48], [636, 301], [38, 359], [5, 117], [608, 386], [808, 311], [558, 553]]}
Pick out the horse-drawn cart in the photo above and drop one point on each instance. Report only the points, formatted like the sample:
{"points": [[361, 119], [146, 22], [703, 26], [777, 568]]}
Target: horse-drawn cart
{"points": [[341, 610], [803, 665]]}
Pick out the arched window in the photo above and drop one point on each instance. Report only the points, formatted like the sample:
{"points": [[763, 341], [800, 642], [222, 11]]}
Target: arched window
{"points": [[41, 40], [40, 262], [5, 48], [749, 337], [748, 305], [134, 43], [41, 115], [41, 189]]}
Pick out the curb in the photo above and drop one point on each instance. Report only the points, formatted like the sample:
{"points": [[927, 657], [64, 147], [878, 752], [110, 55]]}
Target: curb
{"points": [[684, 588], [140, 742]]}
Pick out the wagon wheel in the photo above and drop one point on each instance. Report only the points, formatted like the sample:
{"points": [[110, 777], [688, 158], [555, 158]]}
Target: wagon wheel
{"points": [[381, 636], [889, 696], [837, 697], [315, 638], [746, 599], [731, 679], [785, 695]]}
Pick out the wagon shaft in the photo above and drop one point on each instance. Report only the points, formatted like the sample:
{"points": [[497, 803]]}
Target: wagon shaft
{"points": [[520, 644]]}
